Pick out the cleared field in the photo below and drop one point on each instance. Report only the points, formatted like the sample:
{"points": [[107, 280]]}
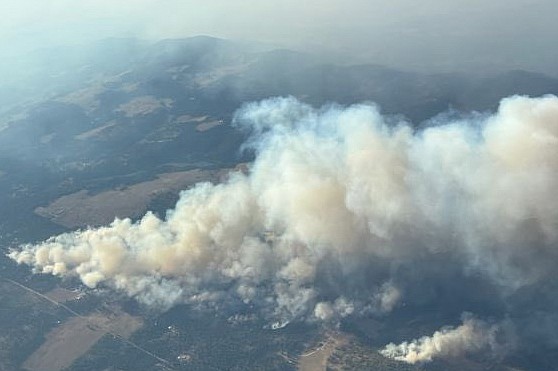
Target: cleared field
{"points": [[143, 105], [81, 209], [62, 295], [76, 336], [205, 126], [203, 123], [97, 132], [317, 359]]}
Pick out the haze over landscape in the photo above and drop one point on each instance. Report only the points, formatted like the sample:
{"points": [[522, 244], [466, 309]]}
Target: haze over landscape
{"points": [[266, 185], [435, 36]]}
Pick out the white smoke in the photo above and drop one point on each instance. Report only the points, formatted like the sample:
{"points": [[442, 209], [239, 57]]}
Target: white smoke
{"points": [[334, 196], [473, 336]]}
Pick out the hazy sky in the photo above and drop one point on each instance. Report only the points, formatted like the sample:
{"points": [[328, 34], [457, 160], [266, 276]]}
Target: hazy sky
{"points": [[432, 34]]}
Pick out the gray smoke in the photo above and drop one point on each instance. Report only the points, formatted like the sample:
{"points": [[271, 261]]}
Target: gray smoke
{"points": [[336, 198], [473, 336]]}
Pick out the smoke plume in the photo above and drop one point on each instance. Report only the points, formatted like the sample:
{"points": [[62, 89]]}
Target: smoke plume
{"points": [[336, 199], [473, 336]]}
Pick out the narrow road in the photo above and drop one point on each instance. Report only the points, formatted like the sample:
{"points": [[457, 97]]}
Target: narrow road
{"points": [[73, 312]]}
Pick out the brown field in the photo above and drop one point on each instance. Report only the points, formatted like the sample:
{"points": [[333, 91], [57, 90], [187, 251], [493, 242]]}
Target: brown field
{"points": [[187, 119], [203, 123], [81, 209], [62, 295], [207, 125], [86, 98], [205, 80], [96, 132], [143, 105], [316, 359], [76, 336]]}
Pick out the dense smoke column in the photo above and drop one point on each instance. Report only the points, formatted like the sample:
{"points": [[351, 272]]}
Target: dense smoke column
{"points": [[335, 203], [472, 336]]}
